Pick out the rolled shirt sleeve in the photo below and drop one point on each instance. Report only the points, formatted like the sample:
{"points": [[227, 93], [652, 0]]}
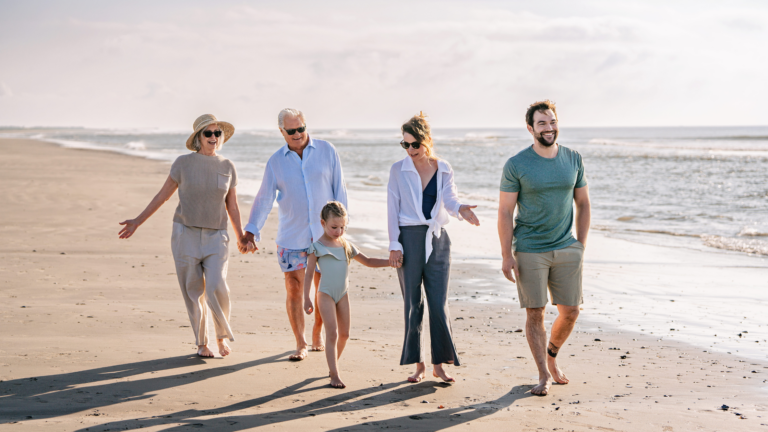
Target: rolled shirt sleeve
{"points": [[263, 203], [339, 187], [393, 211], [450, 195]]}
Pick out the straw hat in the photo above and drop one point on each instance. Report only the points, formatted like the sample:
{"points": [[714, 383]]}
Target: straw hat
{"points": [[203, 122]]}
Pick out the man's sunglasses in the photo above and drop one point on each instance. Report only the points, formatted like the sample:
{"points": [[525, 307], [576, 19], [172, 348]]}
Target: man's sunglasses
{"points": [[209, 134], [293, 131], [414, 144]]}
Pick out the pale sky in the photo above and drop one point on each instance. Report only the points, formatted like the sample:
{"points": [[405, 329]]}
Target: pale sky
{"points": [[357, 64]]}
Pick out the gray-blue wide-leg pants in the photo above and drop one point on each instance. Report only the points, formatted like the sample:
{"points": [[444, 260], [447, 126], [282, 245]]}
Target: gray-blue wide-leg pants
{"points": [[434, 274]]}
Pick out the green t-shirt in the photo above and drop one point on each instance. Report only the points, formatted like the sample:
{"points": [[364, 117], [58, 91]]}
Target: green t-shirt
{"points": [[545, 200]]}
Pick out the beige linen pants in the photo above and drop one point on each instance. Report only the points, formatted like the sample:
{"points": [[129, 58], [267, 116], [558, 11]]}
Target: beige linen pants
{"points": [[201, 257]]}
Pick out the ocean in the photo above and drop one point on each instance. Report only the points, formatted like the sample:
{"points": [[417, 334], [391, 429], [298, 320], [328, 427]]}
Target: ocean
{"points": [[702, 187], [696, 188]]}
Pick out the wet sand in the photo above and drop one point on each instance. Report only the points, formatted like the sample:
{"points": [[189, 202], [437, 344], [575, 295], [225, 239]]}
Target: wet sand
{"points": [[96, 336]]}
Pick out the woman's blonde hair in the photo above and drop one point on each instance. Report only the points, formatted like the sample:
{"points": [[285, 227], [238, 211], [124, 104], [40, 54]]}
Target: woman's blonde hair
{"points": [[419, 128], [336, 209]]}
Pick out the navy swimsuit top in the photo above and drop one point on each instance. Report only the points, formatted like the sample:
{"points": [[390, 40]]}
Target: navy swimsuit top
{"points": [[429, 197]]}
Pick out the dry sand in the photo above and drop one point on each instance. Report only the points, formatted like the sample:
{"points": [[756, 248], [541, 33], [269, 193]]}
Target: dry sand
{"points": [[96, 337]]}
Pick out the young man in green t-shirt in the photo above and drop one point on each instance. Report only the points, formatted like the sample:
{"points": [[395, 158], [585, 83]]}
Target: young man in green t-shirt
{"points": [[538, 248]]}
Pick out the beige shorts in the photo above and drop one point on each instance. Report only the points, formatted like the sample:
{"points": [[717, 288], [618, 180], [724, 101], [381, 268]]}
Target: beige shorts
{"points": [[560, 270]]}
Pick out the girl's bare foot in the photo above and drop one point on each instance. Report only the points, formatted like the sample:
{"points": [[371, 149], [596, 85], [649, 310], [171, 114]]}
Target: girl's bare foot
{"points": [[336, 382], [224, 349], [439, 372], [203, 351], [419, 375]]}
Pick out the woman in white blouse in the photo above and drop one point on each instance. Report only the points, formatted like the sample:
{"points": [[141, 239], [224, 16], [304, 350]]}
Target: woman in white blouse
{"points": [[420, 196]]}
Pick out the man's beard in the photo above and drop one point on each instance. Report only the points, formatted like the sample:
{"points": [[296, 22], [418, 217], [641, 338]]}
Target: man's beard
{"points": [[544, 142]]}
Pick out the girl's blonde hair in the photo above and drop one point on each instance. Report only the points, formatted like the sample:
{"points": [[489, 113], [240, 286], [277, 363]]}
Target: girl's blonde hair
{"points": [[419, 128], [336, 209]]}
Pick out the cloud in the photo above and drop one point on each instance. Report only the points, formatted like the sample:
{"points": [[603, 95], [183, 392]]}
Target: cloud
{"points": [[5, 91], [364, 63]]}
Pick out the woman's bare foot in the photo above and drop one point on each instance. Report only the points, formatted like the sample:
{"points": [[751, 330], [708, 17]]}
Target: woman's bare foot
{"points": [[421, 368], [224, 349], [336, 381], [317, 348], [439, 372], [203, 351], [543, 388], [557, 374], [299, 355]]}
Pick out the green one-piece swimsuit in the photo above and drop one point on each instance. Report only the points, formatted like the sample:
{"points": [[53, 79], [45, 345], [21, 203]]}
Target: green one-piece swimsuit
{"points": [[334, 269]]}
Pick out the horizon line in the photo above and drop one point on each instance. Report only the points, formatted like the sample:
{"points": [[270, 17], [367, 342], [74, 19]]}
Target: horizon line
{"points": [[261, 128]]}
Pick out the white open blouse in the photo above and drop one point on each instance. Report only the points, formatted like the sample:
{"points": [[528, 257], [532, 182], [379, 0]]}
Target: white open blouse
{"points": [[404, 196]]}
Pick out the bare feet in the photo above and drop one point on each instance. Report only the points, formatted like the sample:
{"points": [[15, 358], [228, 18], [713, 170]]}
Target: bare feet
{"points": [[224, 349], [557, 374], [419, 375], [317, 340], [439, 372], [203, 351], [299, 355], [543, 388], [336, 382]]}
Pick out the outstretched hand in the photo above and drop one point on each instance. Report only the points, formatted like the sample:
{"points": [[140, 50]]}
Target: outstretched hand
{"points": [[130, 227], [466, 212]]}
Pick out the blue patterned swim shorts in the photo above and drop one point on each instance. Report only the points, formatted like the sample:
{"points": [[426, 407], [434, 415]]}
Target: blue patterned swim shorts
{"points": [[293, 259]]}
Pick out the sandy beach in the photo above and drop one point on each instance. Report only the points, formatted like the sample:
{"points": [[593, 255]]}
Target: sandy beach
{"points": [[96, 337]]}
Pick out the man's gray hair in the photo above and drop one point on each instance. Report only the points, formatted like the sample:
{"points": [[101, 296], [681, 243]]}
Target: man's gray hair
{"points": [[289, 112]]}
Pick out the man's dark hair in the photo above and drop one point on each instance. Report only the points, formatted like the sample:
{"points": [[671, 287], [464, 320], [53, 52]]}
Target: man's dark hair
{"points": [[539, 106]]}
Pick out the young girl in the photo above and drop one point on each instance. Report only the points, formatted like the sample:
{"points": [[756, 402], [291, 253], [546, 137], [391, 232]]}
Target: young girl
{"points": [[333, 254]]}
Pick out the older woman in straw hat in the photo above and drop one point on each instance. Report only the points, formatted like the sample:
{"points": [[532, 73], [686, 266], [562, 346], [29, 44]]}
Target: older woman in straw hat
{"points": [[206, 184]]}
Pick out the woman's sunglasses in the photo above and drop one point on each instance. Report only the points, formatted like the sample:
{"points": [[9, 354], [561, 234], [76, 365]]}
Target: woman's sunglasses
{"points": [[209, 134], [293, 131], [414, 144]]}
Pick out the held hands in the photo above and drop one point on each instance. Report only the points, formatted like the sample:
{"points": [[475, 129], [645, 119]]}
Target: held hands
{"points": [[395, 259], [508, 267], [308, 305], [130, 227], [246, 244], [466, 212]]}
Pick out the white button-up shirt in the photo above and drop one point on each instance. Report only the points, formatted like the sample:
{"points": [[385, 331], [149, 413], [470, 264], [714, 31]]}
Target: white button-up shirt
{"points": [[302, 185], [404, 197]]}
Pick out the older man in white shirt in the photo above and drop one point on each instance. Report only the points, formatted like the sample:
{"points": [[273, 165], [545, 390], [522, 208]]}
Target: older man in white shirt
{"points": [[304, 175]]}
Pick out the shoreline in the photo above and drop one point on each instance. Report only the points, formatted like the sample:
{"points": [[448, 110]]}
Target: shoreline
{"points": [[749, 242], [483, 278], [105, 343]]}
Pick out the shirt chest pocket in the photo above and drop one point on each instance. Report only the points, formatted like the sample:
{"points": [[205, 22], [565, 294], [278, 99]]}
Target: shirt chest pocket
{"points": [[223, 180]]}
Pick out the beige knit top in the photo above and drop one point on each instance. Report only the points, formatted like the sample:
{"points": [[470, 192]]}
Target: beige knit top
{"points": [[203, 184]]}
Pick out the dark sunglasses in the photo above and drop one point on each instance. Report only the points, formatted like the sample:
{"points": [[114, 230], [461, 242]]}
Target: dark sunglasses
{"points": [[414, 144], [293, 131], [208, 134]]}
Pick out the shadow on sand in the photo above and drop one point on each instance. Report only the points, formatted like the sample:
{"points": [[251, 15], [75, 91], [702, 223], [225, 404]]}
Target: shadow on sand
{"points": [[357, 402], [64, 394]]}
